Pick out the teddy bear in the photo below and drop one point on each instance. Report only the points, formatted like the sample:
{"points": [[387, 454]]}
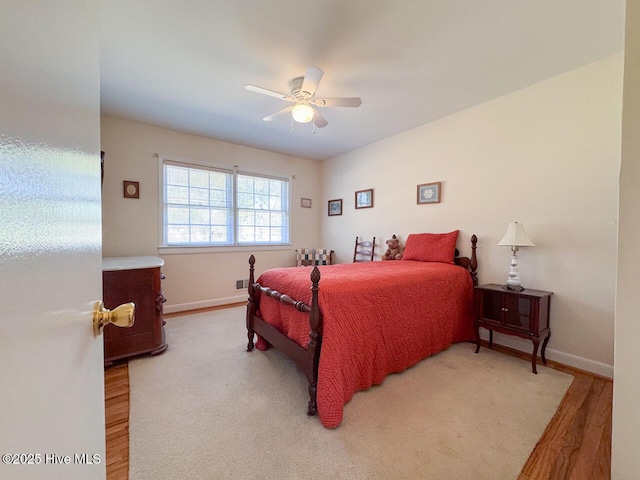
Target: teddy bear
{"points": [[394, 250]]}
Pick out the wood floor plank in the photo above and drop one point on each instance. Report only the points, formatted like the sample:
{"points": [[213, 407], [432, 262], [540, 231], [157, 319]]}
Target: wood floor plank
{"points": [[602, 465], [601, 413], [115, 390], [583, 441], [597, 415], [546, 458], [117, 421]]}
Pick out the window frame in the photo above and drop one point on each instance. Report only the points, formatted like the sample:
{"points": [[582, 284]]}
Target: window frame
{"points": [[235, 246]]}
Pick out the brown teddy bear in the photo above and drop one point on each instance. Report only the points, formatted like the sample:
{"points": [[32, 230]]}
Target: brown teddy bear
{"points": [[394, 252]]}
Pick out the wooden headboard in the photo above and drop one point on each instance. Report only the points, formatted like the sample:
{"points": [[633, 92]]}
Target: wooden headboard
{"points": [[470, 263]]}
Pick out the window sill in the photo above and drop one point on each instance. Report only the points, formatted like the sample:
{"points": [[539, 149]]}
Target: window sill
{"points": [[182, 250]]}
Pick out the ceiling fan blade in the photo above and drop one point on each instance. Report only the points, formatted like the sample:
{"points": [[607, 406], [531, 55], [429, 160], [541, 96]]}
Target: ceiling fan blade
{"points": [[264, 91], [318, 120], [338, 102], [311, 80], [278, 113]]}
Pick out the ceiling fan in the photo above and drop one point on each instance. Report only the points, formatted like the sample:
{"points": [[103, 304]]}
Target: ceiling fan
{"points": [[303, 91]]}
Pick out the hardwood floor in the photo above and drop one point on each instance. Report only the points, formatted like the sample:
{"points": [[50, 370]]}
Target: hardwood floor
{"points": [[576, 444], [116, 393]]}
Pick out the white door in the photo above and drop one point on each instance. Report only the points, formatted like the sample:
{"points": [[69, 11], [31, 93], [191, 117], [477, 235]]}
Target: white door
{"points": [[51, 376]]}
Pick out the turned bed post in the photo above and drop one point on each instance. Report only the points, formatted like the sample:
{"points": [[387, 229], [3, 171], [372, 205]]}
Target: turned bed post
{"points": [[251, 304], [313, 347], [474, 261]]}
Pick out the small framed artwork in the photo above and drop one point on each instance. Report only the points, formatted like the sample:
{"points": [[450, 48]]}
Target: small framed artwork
{"points": [[364, 198], [429, 193], [305, 202], [335, 207], [131, 189]]}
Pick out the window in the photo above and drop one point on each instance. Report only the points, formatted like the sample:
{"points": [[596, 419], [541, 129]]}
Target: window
{"points": [[208, 206]]}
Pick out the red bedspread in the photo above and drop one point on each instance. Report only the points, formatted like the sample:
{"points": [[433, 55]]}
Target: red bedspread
{"points": [[378, 318]]}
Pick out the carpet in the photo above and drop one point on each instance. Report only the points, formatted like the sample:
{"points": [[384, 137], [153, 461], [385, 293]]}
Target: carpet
{"points": [[207, 409]]}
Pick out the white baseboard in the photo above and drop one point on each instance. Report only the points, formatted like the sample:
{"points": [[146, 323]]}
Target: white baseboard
{"points": [[568, 359], [183, 307]]}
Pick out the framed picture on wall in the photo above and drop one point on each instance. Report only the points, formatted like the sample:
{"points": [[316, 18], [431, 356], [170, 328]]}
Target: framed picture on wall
{"points": [[131, 189], [429, 193], [364, 198], [335, 207]]}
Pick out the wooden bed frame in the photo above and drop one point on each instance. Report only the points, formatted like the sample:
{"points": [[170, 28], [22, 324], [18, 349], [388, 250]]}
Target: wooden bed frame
{"points": [[308, 359]]}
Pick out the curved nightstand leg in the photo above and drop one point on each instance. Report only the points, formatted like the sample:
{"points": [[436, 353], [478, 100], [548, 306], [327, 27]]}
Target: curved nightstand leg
{"points": [[544, 347], [477, 337], [536, 344]]}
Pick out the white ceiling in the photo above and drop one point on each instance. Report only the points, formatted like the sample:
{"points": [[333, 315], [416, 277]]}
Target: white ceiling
{"points": [[183, 64]]}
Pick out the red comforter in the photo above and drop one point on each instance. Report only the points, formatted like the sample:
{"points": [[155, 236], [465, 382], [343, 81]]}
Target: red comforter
{"points": [[378, 318]]}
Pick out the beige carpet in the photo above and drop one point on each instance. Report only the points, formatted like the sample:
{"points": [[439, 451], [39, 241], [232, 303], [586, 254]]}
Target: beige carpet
{"points": [[207, 409]]}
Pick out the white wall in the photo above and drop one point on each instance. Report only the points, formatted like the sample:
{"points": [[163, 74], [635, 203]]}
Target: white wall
{"points": [[547, 156], [625, 461], [131, 227]]}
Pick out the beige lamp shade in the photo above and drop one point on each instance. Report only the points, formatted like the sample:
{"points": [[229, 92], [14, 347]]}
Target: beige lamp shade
{"points": [[516, 236]]}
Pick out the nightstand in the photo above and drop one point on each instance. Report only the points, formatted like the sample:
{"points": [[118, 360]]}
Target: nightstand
{"points": [[524, 314]]}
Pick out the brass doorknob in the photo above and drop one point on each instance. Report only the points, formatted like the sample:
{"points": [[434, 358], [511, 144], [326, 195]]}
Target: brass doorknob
{"points": [[121, 316]]}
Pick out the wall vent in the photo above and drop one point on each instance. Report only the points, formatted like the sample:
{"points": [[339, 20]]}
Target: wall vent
{"points": [[242, 284]]}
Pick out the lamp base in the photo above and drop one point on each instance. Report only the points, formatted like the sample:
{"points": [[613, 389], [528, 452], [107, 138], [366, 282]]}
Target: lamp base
{"points": [[513, 288], [513, 279]]}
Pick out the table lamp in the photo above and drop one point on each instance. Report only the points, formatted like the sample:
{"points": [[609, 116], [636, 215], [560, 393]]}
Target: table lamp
{"points": [[515, 237]]}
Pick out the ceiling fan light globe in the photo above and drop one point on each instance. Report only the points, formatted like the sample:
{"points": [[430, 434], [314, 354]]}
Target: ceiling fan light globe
{"points": [[302, 113]]}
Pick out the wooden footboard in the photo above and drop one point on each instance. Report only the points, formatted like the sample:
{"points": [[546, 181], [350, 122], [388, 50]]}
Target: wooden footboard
{"points": [[307, 359]]}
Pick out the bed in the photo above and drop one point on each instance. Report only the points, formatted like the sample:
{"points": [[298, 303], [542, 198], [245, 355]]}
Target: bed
{"points": [[363, 321]]}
